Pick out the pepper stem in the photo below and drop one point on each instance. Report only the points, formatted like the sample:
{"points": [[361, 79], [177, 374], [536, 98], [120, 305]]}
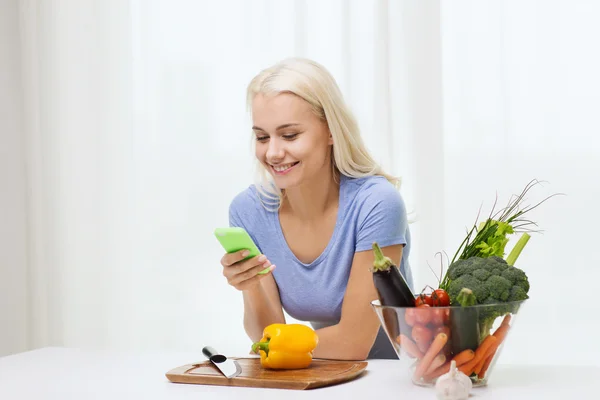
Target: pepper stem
{"points": [[264, 346], [381, 263]]}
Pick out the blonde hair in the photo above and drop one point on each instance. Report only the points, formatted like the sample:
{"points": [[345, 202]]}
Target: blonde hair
{"points": [[313, 83]]}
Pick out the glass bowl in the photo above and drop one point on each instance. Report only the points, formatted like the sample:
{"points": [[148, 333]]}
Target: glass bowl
{"points": [[430, 337]]}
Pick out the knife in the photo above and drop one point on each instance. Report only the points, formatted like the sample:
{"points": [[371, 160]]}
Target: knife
{"points": [[229, 368]]}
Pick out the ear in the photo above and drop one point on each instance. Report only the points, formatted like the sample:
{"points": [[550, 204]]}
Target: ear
{"points": [[330, 140]]}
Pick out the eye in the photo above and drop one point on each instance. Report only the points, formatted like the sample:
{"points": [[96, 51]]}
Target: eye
{"points": [[290, 136], [262, 138]]}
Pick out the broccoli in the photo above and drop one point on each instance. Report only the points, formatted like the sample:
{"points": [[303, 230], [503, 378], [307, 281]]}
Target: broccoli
{"points": [[498, 287], [492, 281], [517, 293], [516, 277], [480, 290], [466, 298], [488, 315]]}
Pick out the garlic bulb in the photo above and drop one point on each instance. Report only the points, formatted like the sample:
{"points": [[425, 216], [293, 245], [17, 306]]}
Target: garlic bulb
{"points": [[453, 385]]}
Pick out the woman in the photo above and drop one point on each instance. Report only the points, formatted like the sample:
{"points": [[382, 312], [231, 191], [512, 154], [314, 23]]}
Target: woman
{"points": [[321, 203]]}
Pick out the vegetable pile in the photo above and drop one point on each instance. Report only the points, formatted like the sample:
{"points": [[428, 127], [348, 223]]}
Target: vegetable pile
{"points": [[453, 324]]}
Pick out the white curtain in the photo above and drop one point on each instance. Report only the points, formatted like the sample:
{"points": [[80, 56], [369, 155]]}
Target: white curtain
{"points": [[137, 137]]}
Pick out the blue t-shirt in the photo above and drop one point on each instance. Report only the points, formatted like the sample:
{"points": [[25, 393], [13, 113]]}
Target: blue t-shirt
{"points": [[370, 210]]}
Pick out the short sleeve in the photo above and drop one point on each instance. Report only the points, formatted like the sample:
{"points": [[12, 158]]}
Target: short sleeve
{"points": [[234, 216], [382, 218]]}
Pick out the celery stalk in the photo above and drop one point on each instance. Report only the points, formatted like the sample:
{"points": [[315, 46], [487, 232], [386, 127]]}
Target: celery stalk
{"points": [[516, 251]]}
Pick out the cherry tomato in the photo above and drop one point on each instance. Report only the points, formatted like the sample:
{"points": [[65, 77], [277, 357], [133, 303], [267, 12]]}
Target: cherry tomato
{"points": [[439, 298], [422, 337], [423, 299], [410, 316], [438, 316], [423, 314], [446, 316]]}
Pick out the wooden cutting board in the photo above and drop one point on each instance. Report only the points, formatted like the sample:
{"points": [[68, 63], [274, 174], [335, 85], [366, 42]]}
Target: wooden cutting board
{"points": [[320, 373]]}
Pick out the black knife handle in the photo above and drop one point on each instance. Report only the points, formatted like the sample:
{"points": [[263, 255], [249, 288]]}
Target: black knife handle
{"points": [[213, 355]]}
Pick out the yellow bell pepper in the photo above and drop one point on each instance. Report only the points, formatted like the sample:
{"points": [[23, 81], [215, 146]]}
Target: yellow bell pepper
{"points": [[286, 346]]}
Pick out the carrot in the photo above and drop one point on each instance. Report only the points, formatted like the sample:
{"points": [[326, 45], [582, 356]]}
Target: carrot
{"points": [[485, 367], [489, 353], [460, 359], [480, 353], [436, 363], [479, 366], [463, 357], [436, 346], [409, 346], [487, 359], [430, 375], [502, 330], [500, 334], [483, 348]]}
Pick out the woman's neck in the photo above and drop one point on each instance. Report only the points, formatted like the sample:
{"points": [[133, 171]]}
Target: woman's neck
{"points": [[314, 199]]}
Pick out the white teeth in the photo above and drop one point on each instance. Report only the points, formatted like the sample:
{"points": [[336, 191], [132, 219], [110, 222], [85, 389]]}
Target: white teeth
{"points": [[280, 168]]}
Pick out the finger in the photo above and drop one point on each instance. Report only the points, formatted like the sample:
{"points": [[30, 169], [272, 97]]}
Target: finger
{"points": [[247, 284], [232, 258], [251, 274], [233, 272], [243, 266]]}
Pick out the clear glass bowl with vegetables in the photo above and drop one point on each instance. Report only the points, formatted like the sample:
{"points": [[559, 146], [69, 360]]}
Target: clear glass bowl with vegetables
{"points": [[467, 318], [431, 337]]}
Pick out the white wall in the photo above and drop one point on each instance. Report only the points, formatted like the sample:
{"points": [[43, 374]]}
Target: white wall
{"points": [[528, 89], [13, 198], [137, 139]]}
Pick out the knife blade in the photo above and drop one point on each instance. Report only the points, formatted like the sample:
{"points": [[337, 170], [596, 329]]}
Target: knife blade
{"points": [[229, 368]]}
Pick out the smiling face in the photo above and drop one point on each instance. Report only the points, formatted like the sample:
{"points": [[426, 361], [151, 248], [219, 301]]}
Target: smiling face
{"points": [[292, 142]]}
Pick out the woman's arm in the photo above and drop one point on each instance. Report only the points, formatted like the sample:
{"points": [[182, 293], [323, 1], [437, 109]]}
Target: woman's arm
{"points": [[353, 337], [262, 307]]}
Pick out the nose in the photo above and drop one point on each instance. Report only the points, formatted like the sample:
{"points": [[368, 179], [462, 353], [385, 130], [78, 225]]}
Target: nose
{"points": [[275, 151]]}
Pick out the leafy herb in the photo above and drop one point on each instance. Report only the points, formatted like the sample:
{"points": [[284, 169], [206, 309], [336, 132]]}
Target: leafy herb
{"points": [[490, 237]]}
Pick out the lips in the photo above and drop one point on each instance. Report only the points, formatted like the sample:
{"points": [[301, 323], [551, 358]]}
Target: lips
{"points": [[282, 169]]}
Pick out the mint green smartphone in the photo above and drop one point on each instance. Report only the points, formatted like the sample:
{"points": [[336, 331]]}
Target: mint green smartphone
{"points": [[234, 239]]}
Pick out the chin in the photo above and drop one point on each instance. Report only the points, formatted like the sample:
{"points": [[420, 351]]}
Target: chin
{"points": [[284, 183]]}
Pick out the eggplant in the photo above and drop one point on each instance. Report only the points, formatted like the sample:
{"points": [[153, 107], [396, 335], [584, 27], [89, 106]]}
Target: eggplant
{"points": [[392, 290], [464, 323]]}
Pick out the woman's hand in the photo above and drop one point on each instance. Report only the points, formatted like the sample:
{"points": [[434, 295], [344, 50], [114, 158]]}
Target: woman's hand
{"points": [[244, 274]]}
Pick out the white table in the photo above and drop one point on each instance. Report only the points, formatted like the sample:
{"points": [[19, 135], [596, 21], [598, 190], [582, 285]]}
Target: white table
{"points": [[64, 373]]}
